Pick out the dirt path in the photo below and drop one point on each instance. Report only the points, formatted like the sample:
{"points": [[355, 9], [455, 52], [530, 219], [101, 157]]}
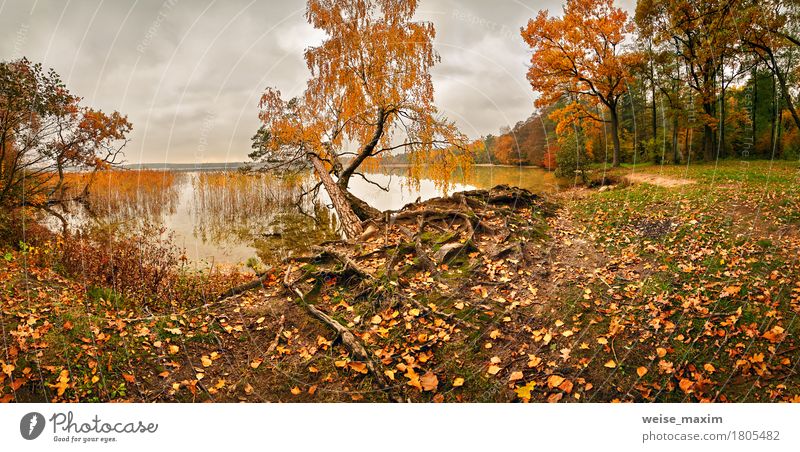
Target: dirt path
{"points": [[654, 179]]}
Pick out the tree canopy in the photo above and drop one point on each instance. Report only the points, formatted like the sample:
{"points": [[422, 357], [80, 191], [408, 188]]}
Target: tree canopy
{"points": [[370, 94], [45, 132]]}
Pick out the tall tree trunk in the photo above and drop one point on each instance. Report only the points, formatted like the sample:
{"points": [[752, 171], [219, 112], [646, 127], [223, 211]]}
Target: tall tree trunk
{"points": [[753, 108], [675, 153], [787, 97], [708, 132], [722, 151], [774, 112], [779, 133], [615, 135], [653, 94], [350, 222], [686, 142]]}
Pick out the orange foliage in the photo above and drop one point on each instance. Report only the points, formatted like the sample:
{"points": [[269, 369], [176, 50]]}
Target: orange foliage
{"points": [[549, 159], [506, 150], [123, 194], [580, 53], [580, 56], [370, 88]]}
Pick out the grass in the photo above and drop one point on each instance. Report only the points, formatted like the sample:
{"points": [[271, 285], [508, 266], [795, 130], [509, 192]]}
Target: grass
{"points": [[675, 281]]}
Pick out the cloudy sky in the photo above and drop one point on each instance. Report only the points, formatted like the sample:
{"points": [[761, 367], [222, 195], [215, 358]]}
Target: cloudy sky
{"points": [[189, 73]]}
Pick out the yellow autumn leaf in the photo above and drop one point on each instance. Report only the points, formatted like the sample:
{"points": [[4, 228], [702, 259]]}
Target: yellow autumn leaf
{"points": [[554, 380], [641, 371], [458, 382], [524, 392], [610, 364]]}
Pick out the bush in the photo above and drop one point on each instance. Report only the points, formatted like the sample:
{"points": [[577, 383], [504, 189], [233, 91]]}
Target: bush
{"points": [[571, 158], [143, 268]]}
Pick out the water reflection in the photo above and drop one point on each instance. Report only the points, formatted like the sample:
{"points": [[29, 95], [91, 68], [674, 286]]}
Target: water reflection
{"points": [[235, 216], [128, 198], [228, 218]]}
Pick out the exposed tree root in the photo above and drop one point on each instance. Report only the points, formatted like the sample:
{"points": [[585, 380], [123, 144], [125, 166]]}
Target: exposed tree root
{"points": [[348, 339], [246, 286], [345, 260]]}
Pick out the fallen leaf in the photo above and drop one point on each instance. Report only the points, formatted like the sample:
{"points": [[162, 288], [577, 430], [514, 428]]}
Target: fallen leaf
{"points": [[429, 381], [554, 380], [610, 364], [358, 367], [730, 290], [524, 392], [776, 334], [458, 382], [641, 371]]}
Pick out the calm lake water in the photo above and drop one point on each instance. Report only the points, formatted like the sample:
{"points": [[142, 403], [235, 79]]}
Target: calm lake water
{"points": [[228, 218]]}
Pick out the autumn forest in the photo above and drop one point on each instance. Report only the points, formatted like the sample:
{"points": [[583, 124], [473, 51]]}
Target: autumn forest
{"points": [[635, 238]]}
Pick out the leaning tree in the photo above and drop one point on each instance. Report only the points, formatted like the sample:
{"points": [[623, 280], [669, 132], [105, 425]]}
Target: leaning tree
{"points": [[370, 94], [45, 133]]}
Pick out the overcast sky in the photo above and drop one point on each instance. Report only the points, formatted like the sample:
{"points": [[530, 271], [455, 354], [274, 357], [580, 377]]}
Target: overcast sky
{"points": [[189, 73]]}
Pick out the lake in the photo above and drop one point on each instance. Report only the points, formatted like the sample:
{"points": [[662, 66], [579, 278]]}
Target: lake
{"points": [[227, 218]]}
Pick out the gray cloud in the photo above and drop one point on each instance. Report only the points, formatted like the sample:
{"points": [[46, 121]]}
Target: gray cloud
{"points": [[189, 73]]}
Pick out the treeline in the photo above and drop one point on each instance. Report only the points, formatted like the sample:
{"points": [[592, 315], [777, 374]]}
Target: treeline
{"points": [[679, 81]]}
